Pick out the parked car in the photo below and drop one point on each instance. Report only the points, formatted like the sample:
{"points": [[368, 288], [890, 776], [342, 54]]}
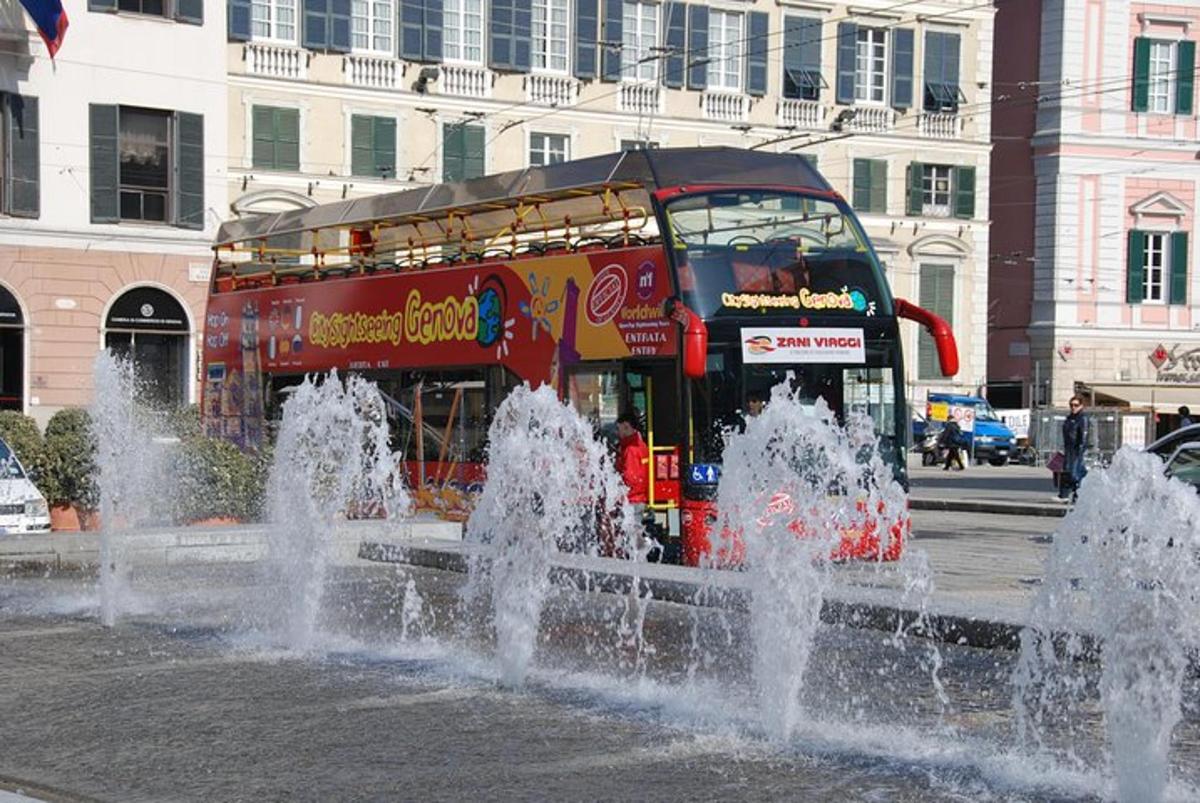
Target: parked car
{"points": [[22, 507], [1184, 463], [1165, 446], [990, 438]]}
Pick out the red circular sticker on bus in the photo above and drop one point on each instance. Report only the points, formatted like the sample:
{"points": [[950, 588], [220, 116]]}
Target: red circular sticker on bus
{"points": [[606, 295]]}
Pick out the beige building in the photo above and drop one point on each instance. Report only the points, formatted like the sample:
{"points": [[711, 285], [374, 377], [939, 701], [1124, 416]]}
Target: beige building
{"points": [[112, 183], [890, 99]]}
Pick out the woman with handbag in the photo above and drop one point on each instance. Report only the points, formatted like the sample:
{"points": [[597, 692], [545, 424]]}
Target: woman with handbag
{"points": [[1076, 434]]}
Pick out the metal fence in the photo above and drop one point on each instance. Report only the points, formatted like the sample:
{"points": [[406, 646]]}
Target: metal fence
{"points": [[1111, 429]]}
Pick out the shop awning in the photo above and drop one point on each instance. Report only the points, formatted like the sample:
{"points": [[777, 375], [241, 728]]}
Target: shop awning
{"points": [[1161, 397]]}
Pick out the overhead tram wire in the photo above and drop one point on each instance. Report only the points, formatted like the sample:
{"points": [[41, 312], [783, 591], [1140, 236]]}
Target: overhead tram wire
{"points": [[983, 108], [685, 54], [830, 38]]}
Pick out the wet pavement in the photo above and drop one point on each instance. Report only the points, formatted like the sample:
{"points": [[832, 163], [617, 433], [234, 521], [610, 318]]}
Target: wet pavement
{"points": [[186, 700]]}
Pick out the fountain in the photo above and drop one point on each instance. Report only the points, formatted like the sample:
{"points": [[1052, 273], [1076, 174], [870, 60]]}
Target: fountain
{"points": [[130, 479], [1121, 581], [332, 460], [795, 483], [551, 484]]}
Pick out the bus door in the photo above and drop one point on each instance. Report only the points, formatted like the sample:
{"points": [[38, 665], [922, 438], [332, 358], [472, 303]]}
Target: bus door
{"points": [[653, 390], [601, 391]]}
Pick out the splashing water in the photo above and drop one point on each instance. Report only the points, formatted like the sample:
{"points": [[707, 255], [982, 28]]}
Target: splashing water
{"points": [[129, 473], [1121, 578], [332, 460], [794, 486], [550, 484]]}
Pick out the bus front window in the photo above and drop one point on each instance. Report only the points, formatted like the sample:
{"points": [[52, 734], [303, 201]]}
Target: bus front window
{"points": [[740, 252]]}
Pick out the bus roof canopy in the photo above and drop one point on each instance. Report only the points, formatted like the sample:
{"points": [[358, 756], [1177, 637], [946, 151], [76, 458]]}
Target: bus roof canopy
{"points": [[647, 170]]}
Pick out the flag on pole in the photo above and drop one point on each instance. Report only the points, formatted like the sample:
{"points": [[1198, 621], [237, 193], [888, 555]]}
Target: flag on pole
{"points": [[51, 20]]}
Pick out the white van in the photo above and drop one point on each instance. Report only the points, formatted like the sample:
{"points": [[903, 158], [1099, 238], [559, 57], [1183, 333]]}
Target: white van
{"points": [[23, 509]]}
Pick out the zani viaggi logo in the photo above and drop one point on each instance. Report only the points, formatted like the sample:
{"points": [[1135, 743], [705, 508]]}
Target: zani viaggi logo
{"points": [[761, 344], [606, 294]]}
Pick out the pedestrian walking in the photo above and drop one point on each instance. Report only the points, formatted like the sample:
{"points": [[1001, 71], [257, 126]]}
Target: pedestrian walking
{"points": [[951, 440], [1185, 417], [1076, 435]]}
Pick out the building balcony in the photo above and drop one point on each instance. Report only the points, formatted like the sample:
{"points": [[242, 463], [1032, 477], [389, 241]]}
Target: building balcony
{"points": [[372, 72], [551, 90], [801, 113], [870, 119], [640, 99], [464, 80], [940, 125], [729, 107], [276, 61]]}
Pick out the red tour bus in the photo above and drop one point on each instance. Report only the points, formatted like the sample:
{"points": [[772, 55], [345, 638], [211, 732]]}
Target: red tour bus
{"points": [[675, 282]]}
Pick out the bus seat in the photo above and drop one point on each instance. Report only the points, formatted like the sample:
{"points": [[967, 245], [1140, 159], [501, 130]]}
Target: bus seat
{"points": [[752, 278]]}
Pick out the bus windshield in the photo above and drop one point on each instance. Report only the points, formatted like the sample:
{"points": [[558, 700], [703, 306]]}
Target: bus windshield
{"points": [[742, 251]]}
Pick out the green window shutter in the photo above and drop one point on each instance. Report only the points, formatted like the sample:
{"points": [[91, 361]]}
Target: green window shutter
{"points": [[22, 197], [262, 134], [860, 195], [1137, 261], [189, 170], [1185, 77], [879, 186], [287, 142], [936, 294], [1141, 74], [452, 152], [385, 147], [104, 163], [916, 189], [473, 156], [964, 192], [362, 146], [1179, 267], [276, 138]]}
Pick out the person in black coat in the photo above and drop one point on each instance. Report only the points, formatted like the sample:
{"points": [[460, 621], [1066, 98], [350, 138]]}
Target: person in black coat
{"points": [[1076, 435], [951, 440]]}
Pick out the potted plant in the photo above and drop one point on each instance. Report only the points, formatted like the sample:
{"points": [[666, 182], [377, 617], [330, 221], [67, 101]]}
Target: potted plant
{"points": [[70, 456], [215, 482]]}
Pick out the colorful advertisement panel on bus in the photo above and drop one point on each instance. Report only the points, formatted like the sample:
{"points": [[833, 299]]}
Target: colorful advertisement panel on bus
{"points": [[535, 316]]}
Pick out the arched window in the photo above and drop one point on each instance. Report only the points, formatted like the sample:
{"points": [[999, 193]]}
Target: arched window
{"points": [[12, 353], [150, 327]]}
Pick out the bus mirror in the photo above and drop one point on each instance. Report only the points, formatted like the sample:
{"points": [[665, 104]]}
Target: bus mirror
{"points": [[943, 335], [695, 337]]}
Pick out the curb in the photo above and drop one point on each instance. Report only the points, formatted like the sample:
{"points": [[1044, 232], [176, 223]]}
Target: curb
{"points": [[858, 613], [998, 508]]}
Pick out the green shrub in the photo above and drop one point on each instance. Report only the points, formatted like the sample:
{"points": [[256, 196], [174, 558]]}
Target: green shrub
{"points": [[184, 422], [70, 448], [212, 478], [21, 433]]}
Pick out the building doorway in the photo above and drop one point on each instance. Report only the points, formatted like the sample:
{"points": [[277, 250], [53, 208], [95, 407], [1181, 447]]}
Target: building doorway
{"points": [[12, 353], [150, 327]]}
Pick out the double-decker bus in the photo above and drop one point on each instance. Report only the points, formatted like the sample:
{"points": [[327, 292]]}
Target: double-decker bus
{"points": [[673, 282]]}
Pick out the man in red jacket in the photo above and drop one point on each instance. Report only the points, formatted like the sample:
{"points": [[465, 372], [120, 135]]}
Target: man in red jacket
{"points": [[633, 460]]}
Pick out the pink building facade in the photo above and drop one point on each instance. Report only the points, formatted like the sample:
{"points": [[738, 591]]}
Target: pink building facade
{"points": [[1093, 270]]}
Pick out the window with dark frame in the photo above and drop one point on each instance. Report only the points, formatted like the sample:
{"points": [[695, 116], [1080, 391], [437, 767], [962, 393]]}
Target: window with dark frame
{"points": [[154, 8], [145, 164]]}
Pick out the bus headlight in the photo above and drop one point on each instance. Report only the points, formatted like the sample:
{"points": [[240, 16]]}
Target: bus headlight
{"points": [[37, 508]]}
